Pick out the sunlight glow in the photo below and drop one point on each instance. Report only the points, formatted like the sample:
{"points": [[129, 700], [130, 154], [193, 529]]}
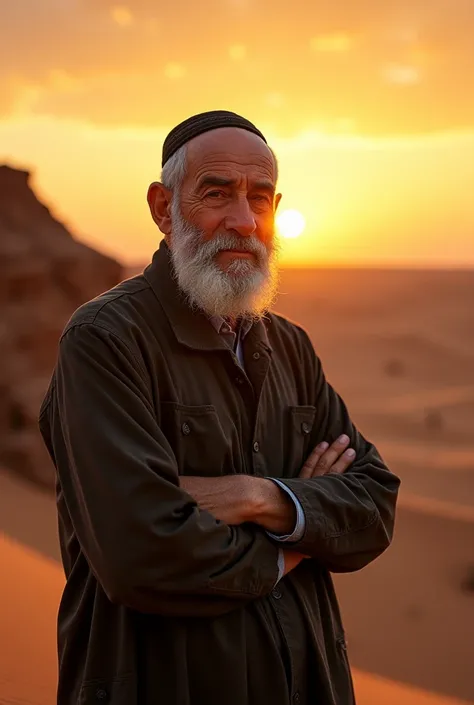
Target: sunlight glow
{"points": [[237, 52], [402, 75], [174, 71], [122, 16], [333, 43], [290, 223]]}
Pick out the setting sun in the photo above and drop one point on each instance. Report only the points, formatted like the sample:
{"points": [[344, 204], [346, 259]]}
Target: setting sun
{"points": [[290, 223]]}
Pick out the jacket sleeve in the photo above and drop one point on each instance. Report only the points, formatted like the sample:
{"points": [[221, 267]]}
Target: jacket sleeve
{"points": [[148, 544], [349, 517]]}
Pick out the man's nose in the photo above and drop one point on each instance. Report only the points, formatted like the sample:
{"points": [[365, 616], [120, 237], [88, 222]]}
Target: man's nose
{"points": [[241, 218]]}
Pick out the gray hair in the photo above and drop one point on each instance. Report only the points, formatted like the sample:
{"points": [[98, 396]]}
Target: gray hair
{"points": [[174, 171]]}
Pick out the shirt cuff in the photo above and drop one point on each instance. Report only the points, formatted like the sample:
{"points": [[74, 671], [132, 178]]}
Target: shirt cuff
{"points": [[300, 527]]}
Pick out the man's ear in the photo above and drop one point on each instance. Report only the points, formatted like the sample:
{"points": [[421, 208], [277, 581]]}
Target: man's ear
{"points": [[159, 201], [277, 200]]}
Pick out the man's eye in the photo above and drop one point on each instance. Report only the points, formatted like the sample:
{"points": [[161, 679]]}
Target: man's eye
{"points": [[216, 194]]}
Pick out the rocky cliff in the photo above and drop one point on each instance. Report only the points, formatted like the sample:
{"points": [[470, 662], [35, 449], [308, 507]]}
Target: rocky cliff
{"points": [[45, 274]]}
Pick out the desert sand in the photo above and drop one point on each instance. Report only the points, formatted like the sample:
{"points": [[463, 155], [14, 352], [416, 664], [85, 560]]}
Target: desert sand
{"points": [[398, 346]]}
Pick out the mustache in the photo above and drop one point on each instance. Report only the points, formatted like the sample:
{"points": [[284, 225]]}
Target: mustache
{"points": [[228, 241]]}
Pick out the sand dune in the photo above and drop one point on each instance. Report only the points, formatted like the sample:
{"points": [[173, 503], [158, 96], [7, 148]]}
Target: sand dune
{"points": [[416, 400], [373, 690], [409, 616], [29, 594]]}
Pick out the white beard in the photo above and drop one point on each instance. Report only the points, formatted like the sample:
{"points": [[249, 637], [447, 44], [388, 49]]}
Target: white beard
{"points": [[246, 289]]}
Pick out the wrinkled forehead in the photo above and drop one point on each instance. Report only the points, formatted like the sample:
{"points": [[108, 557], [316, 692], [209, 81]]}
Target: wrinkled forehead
{"points": [[228, 150]]}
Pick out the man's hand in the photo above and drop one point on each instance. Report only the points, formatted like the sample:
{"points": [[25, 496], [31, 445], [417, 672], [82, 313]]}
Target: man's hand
{"points": [[229, 498], [235, 499], [323, 460], [275, 511], [328, 459]]}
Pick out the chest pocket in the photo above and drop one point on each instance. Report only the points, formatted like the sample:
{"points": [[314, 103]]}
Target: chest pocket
{"points": [[199, 441], [300, 431]]}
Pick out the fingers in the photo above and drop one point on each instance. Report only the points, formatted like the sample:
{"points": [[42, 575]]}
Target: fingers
{"points": [[336, 452], [313, 460], [324, 458], [342, 463]]}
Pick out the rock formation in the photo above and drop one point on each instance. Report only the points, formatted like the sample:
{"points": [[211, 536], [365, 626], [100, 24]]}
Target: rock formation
{"points": [[45, 274]]}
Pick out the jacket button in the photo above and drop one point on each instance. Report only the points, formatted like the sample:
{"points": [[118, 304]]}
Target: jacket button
{"points": [[185, 429], [256, 356], [276, 594], [296, 698], [101, 694], [305, 427], [239, 380], [256, 447]]}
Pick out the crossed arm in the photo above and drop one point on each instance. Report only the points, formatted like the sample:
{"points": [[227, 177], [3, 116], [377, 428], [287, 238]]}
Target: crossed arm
{"points": [[237, 499], [147, 541]]}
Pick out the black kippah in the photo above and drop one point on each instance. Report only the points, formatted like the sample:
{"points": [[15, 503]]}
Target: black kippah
{"points": [[203, 122]]}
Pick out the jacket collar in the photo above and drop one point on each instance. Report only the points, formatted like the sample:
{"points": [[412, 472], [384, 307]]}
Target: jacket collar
{"points": [[220, 324], [191, 328]]}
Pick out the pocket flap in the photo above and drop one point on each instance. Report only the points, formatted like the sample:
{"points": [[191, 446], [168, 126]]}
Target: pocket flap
{"points": [[119, 691], [200, 443], [303, 418]]}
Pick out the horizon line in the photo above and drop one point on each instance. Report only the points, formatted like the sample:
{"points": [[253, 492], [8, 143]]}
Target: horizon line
{"points": [[365, 266]]}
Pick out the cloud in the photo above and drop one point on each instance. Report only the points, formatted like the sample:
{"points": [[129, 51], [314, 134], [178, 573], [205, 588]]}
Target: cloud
{"points": [[275, 99], [238, 52], [175, 71], [336, 42], [121, 15], [402, 75], [137, 62]]}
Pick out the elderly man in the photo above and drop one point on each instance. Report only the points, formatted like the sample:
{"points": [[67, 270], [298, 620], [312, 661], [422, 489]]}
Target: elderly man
{"points": [[209, 477]]}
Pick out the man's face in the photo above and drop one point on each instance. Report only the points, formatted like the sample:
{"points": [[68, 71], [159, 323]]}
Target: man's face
{"points": [[222, 236]]}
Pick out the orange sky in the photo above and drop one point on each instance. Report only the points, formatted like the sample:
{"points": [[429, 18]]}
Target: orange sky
{"points": [[369, 106]]}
